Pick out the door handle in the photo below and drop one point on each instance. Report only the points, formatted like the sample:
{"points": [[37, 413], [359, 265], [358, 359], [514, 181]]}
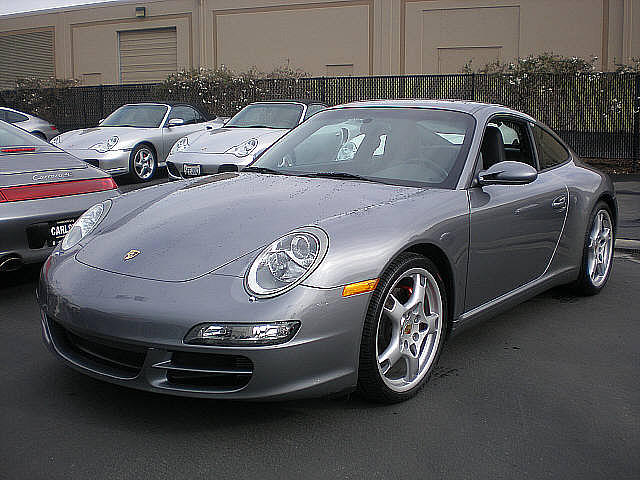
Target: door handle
{"points": [[559, 202]]}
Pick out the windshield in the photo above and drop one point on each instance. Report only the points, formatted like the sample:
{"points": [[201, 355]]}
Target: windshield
{"points": [[142, 116], [405, 146], [270, 115], [11, 136]]}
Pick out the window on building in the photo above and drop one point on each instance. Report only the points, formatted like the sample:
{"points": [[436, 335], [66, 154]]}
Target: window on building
{"points": [[340, 70]]}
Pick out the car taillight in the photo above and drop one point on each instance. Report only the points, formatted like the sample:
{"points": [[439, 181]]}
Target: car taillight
{"points": [[56, 189], [53, 127], [18, 149]]}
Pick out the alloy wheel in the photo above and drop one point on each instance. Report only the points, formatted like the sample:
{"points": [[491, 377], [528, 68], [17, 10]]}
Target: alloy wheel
{"points": [[409, 330], [600, 248], [144, 163]]}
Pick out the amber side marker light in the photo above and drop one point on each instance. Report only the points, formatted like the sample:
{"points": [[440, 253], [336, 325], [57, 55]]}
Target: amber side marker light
{"points": [[360, 287]]}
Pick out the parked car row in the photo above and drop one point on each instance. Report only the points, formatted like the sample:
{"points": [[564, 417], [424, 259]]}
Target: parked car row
{"points": [[137, 139], [340, 257]]}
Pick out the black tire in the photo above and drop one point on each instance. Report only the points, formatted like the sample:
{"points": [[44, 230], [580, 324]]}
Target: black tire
{"points": [[584, 285], [40, 135], [133, 172], [370, 382]]}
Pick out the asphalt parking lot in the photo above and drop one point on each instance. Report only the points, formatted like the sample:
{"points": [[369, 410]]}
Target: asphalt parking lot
{"points": [[547, 390]]}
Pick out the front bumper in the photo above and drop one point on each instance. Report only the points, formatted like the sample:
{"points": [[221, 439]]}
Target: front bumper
{"points": [[89, 315], [17, 217], [115, 162], [209, 162]]}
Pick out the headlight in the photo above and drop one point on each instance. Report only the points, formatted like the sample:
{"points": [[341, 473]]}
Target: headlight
{"points": [[105, 146], [180, 145], [85, 224], [245, 148], [286, 262]]}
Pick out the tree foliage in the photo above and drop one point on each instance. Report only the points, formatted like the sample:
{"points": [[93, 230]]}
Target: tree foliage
{"points": [[224, 92]]}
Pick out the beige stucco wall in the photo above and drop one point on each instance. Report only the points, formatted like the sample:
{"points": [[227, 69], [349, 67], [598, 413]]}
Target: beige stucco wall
{"points": [[342, 36], [269, 38], [440, 35]]}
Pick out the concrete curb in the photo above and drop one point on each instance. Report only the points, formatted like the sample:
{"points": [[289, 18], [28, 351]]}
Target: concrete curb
{"points": [[626, 245]]}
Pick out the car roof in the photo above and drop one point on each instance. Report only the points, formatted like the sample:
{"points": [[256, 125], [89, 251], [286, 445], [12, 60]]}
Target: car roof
{"points": [[465, 106]]}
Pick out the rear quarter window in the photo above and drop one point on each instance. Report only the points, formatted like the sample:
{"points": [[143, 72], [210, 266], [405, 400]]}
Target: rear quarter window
{"points": [[550, 151], [14, 117]]}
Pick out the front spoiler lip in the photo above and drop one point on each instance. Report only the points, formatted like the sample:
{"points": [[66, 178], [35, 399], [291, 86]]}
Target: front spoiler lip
{"points": [[152, 377]]}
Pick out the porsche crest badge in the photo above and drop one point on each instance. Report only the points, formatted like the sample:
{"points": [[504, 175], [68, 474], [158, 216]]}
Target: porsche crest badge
{"points": [[131, 254]]}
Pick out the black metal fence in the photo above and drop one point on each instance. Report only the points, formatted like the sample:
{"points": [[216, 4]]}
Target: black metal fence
{"points": [[597, 114]]}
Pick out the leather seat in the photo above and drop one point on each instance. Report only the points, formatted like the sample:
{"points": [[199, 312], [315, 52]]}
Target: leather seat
{"points": [[492, 148]]}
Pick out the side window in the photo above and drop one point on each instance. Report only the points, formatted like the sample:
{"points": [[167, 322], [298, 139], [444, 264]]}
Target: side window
{"points": [[199, 117], [187, 114], [550, 151], [313, 109], [13, 117], [2, 115], [515, 140]]}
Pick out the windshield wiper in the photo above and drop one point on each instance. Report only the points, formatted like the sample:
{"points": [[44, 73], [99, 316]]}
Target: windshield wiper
{"points": [[345, 175], [263, 170]]}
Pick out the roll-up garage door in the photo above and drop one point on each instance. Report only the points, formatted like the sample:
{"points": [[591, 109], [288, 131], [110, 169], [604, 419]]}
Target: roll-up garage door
{"points": [[147, 56], [23, 55]]}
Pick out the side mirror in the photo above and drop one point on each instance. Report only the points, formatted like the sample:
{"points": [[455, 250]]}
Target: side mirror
{"points": [[508, 173], [175, 122]]}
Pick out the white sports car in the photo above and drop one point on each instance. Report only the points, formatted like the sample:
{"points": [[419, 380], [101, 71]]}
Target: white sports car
{"points": [[249, 133]]}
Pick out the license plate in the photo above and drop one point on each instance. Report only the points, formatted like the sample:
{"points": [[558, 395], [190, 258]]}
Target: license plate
{"points": [[57, 231], [191, 170]]}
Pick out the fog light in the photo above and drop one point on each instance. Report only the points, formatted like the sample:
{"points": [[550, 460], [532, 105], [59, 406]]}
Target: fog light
{"points": [[270, 333]]}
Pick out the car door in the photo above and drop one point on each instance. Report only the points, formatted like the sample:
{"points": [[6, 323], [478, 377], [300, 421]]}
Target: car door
{"points": [[171, 134], [514, 229]]}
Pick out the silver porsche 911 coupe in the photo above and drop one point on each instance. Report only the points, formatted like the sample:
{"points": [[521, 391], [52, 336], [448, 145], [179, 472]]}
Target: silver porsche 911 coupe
{"points": [[32, 124], [136, 138], [43, 191], [342, 258], [242, 139]]}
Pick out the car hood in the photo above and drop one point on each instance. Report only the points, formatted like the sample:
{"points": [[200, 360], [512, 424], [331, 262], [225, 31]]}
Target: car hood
{"points": [[222, 139], [88, 137], [204, 224]]}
